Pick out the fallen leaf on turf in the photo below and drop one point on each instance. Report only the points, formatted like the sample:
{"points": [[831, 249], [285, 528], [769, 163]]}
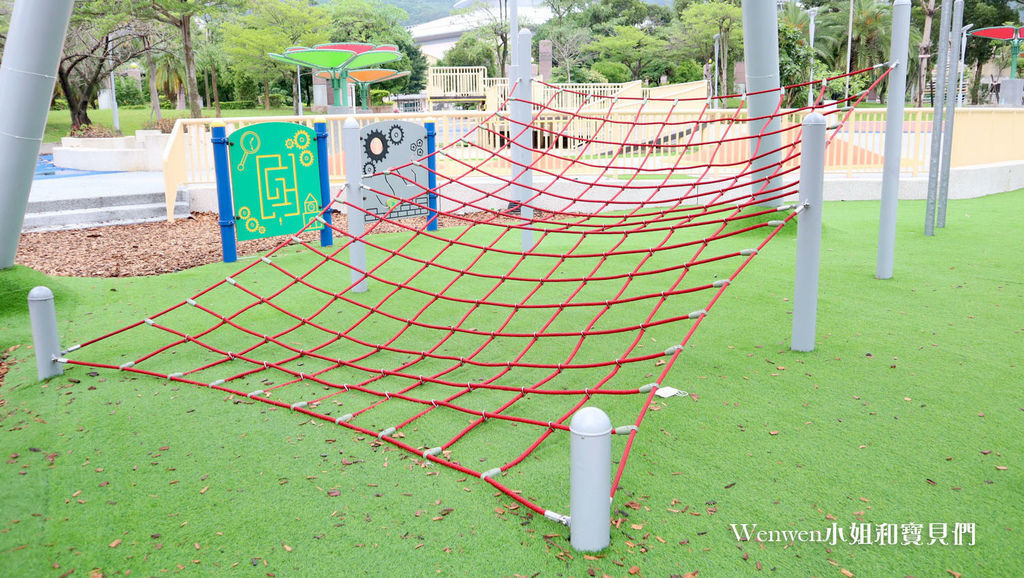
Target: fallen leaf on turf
{"points": [[115, 543], [774, 432], [954, 574], [633, 505], [634, 569], [286, 547], [1000, 467], [846, 572], [691, 574]]}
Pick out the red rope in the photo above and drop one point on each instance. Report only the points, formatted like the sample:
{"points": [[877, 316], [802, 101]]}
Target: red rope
{"points": [[413, 343]]}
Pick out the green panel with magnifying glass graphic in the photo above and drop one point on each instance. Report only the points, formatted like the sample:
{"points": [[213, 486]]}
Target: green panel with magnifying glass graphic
{"points": [[275, 179]]}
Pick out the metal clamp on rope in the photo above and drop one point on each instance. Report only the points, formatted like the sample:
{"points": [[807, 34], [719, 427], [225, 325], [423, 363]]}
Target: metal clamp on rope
{"points": [[556, 517], [673, 349], [343, 419], [432, 452], [624, 429], [299, 404], [253, 394], [490, 473]]}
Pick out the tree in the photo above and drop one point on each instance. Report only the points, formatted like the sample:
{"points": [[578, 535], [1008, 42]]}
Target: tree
{"points": [[568, 44], [470, 50], [495, 28], [98, 40], [695, 30], [377, 23], [603, 17], [181, 14], [272, 26], [634, 48], [984, 13], [6, 7], [561, 9], [924, 48]]}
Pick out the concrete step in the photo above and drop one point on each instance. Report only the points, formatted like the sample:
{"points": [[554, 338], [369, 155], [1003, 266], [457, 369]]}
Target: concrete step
{"points": [[72, 218], [99, 202]]}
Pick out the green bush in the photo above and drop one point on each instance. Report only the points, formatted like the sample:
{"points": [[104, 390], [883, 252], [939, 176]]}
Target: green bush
{"points": [[277, 100], [59, 104], [129, 92], [613, 71], [237, 104], [377, 96]]}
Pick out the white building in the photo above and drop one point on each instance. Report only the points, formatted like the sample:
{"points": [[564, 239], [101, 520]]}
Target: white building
{"points": [[437, 36]]}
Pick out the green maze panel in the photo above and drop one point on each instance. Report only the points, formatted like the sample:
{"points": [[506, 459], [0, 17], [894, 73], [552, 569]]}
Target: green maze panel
{"points": [[275, 179]]}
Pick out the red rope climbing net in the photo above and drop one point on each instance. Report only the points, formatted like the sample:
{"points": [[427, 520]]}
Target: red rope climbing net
{"points": [[476, 343]]}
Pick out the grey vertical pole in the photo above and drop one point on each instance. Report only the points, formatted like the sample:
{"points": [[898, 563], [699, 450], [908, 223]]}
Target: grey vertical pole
{"points": [[938, 97], [113, 102], [898, 53], [298, 86], [952, 87], [761, 50], [590, 480], [354, 196], [34, 42], [513, 34], [43, 315], [715, 90], [808, 236], [520, 127]]}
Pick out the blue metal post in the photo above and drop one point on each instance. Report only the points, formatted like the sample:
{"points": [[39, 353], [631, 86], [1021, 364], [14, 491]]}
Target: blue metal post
{"points": [[224, 206], [431, 175], [327, 233]]}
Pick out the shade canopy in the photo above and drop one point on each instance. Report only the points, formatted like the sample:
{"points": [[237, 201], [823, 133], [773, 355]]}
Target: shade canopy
{"points": [[337, 61], [1012, 34]]}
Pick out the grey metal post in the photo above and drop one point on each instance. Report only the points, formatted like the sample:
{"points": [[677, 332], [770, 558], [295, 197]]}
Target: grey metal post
{"points": [[354, 196], [27, 73], [43, 315], [590, 483], [761, 50], [938, 97], [113, 102], [808, 236], [521, 127], [715, 90], [513, 34], [952, 88], [898, 53], [298, 86]]}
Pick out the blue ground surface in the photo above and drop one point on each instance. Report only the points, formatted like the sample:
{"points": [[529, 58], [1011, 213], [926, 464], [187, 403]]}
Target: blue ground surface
{"points": [[45, 169]]}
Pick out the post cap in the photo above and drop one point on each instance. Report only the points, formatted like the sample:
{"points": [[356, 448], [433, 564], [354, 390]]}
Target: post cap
{"points": [[590, 422], [40, 294]]}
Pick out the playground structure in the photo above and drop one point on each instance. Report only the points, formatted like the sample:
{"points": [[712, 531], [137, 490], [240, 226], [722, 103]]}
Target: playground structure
{"points": [[512, 320], [397, 336], [338, 61]]}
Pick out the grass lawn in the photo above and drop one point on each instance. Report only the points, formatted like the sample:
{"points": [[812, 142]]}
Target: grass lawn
{"points": [[909, 411], [58, 122]]}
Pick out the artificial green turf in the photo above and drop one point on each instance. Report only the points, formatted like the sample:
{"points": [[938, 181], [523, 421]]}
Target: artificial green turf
{"points": [[906, 412]]}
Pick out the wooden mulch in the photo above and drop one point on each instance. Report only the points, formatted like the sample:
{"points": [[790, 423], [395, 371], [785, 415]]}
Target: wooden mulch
{"points": [[156, 248]]}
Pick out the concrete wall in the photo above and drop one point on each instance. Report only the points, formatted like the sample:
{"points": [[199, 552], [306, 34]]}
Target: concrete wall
{"points": [[142, 152]]}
